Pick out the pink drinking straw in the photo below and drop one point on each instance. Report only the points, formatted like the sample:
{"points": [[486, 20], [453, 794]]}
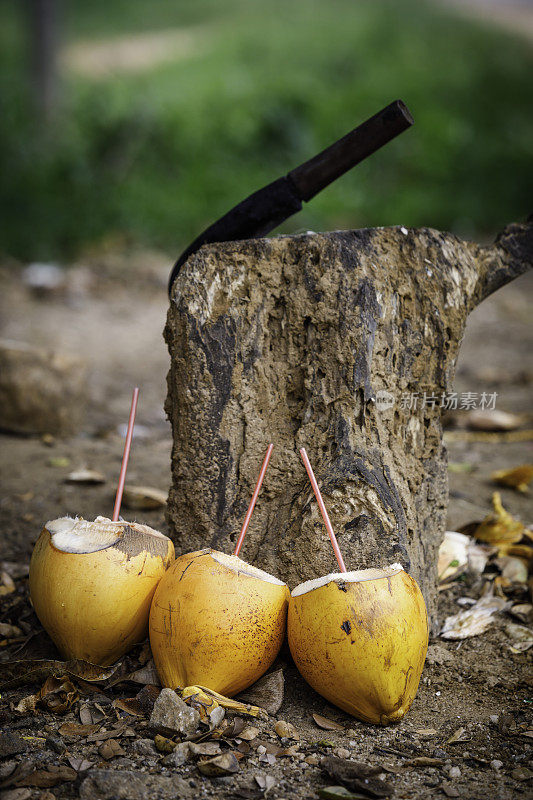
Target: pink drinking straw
{"points": [[126, 456], [323, 510], [252, 501]]}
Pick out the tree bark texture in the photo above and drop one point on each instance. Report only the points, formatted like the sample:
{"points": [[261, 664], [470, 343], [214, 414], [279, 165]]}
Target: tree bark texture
{"points": [[301, 341]]}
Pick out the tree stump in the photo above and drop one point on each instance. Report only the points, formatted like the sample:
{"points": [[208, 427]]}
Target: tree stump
{"points": [[316, 340]]}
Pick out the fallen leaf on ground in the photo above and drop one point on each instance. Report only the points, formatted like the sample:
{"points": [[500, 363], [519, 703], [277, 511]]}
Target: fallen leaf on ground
{"points": [[521, 636], [18, 673], [517, 478], [130, 705], [87, 477], [494, 419], [249, 733], [474, 620], [265, 782], [51, 776], [499, 527], [513, 569], [225, 764], [523, 612], [460, 735], [111, 749], [357, 776], [286, 730], [143, 498], [79, 763], [72, 729], [327, 724], [453, 554]]}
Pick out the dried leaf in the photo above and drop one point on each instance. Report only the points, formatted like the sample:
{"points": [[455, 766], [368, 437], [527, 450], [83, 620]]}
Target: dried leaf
{"points": [[234, 729], [453, 554], [58, 695], [18, 673], [249, 733], [143, 498], [517, 478], [285, 730], [522, 636], [74, 731], [111, 749], [79, 763], [130, 705], [204, 749], [225, 764], [86, 477], [147, 675], [327, 724], [513, 569], [266, 693], [460, 735], [357, 776], [499, 527], [493, 420], [45, 778], [474, 620], [265, 782], [209, 699], [523, 612]]}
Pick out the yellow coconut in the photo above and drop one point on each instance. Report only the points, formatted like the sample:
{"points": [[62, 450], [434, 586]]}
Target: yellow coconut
{"points": [[360, 639], [91, 584], [216, 621]]}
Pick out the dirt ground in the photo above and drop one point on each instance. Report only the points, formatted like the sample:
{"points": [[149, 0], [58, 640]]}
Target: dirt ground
{"points": [[112, 311]]}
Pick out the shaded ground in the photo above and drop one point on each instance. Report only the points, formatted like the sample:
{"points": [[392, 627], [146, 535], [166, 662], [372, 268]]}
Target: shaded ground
{"points": [[113, 315]]}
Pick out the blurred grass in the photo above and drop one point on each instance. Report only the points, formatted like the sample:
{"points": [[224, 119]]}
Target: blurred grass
{"points": [[155, 156]]}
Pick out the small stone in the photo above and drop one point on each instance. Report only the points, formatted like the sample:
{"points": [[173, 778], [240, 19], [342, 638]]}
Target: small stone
{"points": [[11, 745], [449, 789], [285, 730], [172, 713], [17, 794], [216, 716], [107, 784], [40, 391], [179, 755], [144, 747], [341, 752], [521, 774], [439, 753], [454, 772], [496, 765], [111, 749], [219, 766]]}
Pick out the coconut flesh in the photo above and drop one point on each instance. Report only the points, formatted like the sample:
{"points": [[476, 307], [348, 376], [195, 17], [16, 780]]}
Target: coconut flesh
{"points": [[358, 576], [76, 535], [236, 564]]}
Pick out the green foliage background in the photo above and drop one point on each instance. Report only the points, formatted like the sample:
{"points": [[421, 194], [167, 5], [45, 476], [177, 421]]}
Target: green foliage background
{"points": [[155, 156]]}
